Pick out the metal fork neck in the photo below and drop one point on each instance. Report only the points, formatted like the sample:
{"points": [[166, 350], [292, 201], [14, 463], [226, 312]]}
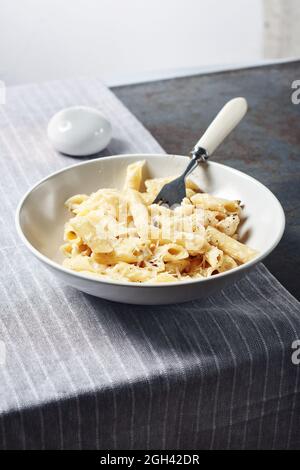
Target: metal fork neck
{"points": [[199, 155]]}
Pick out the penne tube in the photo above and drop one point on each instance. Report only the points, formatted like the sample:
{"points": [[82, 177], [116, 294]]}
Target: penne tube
{"points": [[233, 248], [215, 203], [134, 175]]}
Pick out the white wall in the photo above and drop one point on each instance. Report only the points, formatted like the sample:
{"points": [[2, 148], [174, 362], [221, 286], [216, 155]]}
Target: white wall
{"points": [[124, 39], [282, 32]]}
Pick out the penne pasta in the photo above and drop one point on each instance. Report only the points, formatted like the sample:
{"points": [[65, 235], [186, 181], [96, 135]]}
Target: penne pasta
{"points": [[134, 176], [238, 251], [122, 235]]}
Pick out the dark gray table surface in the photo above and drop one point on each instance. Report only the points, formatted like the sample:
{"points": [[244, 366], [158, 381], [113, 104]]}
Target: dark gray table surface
{"points": [[266, 145]]}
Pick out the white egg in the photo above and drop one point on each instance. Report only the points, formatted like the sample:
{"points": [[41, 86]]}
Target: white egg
{"points": [[79, 131]]}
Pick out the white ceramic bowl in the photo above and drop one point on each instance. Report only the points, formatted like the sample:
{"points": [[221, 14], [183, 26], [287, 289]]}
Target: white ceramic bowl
{"points": [[41, 216]]}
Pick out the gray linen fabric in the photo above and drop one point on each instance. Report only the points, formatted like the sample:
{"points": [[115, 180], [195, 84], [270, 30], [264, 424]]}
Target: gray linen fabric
{"points": [[82, 372]]}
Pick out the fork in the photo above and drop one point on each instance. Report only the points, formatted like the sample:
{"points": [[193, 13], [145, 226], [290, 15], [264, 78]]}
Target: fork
{"points": [[225, 121]]}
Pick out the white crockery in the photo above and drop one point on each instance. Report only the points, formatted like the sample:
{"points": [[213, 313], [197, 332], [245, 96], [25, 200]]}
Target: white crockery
{"points": [[79, 131], [41, 216]]}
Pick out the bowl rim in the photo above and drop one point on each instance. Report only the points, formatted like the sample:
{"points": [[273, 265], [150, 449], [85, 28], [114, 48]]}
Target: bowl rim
{"points": [[57, 266]]}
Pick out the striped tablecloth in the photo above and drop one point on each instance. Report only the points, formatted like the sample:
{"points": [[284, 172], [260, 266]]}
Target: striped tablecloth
{"points": [[81, 372]]}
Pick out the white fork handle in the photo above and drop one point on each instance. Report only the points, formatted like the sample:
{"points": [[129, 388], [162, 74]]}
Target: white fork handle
{"points": [[227, 119]]}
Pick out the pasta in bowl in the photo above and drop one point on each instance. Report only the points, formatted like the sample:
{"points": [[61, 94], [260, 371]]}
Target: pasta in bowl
{"points": [[119, 246], [122, 235]]}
